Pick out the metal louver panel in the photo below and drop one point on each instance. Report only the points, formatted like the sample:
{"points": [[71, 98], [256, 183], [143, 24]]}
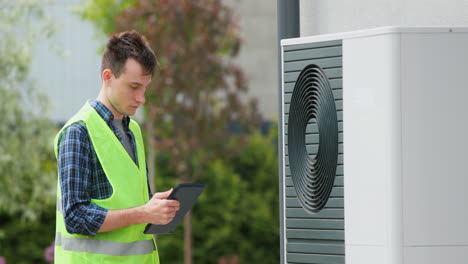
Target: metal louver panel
{"points": [[313, 153]]}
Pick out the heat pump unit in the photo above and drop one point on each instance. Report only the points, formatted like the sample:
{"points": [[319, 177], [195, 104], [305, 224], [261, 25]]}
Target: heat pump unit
{"points": [[374, 147]]}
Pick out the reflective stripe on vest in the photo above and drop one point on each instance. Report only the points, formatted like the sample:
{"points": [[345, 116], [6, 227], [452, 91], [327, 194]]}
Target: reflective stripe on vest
{"points": [[104, 247]]}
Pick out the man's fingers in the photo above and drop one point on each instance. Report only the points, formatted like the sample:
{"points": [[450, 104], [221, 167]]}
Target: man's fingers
{"points": [[163, 195], [168, 210], [173, 203]]}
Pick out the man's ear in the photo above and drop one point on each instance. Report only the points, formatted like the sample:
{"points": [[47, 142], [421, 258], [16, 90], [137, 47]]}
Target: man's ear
{"points": [[106, 76]]}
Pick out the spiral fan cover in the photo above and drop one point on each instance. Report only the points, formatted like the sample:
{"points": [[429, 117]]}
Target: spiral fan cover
{"points": [[312, 103]]}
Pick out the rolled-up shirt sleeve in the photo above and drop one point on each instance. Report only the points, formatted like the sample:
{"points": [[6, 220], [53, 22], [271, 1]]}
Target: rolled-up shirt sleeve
{"points": [[75, 167]]}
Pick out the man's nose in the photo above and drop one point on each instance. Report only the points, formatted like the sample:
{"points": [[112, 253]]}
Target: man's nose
{"points": [[140, 98]]}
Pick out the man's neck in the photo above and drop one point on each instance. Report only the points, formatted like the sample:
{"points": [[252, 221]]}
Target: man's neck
{"points": [[103, 99]]}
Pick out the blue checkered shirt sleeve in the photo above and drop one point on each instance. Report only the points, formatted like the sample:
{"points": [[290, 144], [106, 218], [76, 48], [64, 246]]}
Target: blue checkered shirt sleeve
{"points": [[76, 167]]}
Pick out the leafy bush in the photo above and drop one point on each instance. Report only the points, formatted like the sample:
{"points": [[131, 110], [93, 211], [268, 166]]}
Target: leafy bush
{"points": [[24, 242], [237, 214]]}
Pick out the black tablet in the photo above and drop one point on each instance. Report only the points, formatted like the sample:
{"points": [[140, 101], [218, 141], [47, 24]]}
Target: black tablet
{"points": [[186, 194]]}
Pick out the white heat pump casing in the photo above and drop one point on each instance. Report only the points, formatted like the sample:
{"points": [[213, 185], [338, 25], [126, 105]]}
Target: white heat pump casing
{"points": [[405, 144]]}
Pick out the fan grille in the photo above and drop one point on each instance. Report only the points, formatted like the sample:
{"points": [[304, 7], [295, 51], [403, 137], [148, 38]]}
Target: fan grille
{"points": [[313, 174]]}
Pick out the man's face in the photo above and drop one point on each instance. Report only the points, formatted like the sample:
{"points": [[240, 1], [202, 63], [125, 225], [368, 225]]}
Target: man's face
{"points": [[127, 92]]}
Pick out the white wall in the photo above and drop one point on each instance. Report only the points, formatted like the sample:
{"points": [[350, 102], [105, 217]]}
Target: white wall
{"points": [[332, 16], [67, 66], [258, 56]]}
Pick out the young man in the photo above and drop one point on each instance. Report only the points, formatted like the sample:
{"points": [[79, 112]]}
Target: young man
{"points": [[103, 197]]}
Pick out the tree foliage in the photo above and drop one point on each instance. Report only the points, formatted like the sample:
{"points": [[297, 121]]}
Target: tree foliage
{"points": [[27, 164], [102, 13]]}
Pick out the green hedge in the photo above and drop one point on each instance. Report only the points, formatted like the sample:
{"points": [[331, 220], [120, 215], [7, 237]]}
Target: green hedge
{"points": [[25, 242], [237, 214]]}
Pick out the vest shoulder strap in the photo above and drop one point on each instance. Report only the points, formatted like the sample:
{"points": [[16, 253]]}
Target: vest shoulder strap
{"points": [[79, 116]]}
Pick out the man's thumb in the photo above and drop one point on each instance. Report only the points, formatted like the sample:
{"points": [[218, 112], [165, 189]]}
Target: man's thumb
{"points": [[163, 195]]}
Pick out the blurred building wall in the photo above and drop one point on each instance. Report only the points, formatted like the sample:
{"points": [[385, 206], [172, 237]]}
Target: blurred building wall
{"points": [[259, 54], [67, 66], [332, 16]]}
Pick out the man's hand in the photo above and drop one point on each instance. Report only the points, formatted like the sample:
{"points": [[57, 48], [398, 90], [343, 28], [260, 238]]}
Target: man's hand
{"points": [[159, 210]]}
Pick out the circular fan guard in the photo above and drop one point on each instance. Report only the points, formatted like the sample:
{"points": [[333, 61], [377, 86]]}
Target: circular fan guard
{"points": [[313, 176]]}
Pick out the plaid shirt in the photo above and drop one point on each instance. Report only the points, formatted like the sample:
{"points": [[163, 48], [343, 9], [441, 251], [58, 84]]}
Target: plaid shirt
{"points": [[82, 177]]}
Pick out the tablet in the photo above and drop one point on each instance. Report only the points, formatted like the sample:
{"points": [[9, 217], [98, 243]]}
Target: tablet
{"points": [[186, 194]]}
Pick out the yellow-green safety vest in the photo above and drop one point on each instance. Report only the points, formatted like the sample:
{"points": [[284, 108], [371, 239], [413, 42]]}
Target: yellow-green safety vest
{"points": [[129, 185]]}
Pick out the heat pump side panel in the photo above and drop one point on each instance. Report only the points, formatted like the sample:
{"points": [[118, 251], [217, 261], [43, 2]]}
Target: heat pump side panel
{"points": [[372, 143], [435, 144], [313, 237]]}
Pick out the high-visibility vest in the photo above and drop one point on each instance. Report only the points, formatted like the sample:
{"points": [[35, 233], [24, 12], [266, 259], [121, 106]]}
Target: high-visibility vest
{"points": [[129, 185]]}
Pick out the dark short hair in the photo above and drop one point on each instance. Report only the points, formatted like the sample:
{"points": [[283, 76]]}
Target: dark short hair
{"points": [[124, 45]]}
